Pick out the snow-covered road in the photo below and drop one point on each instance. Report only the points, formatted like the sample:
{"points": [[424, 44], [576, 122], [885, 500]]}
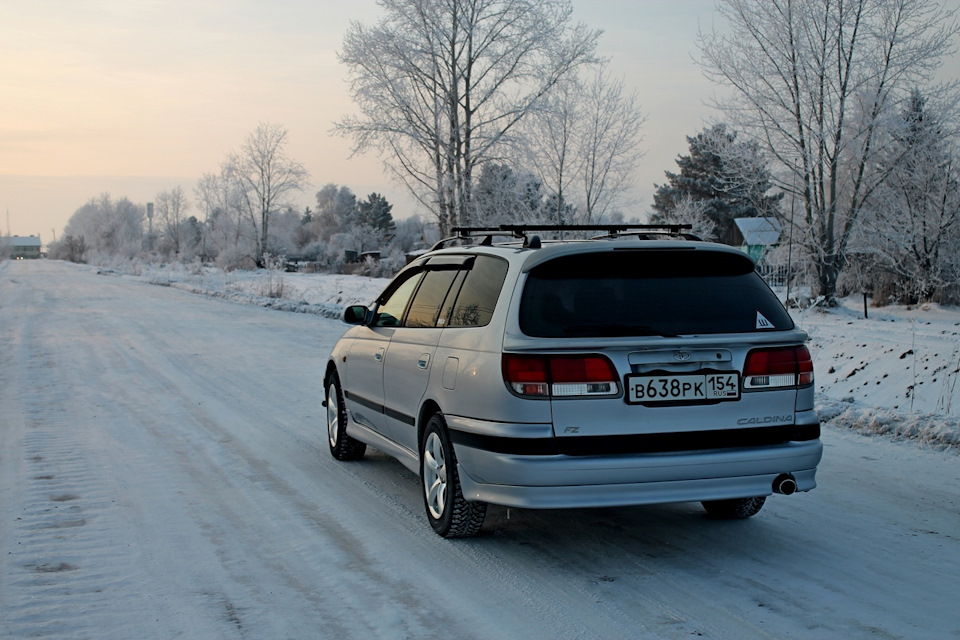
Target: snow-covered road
{"points": [[164, 474]]}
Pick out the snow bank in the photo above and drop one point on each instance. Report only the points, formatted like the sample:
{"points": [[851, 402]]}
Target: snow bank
{"points": [[321, 294], [942, 432]]}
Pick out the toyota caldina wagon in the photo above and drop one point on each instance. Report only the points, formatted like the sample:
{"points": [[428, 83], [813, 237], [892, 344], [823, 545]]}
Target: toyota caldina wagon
{"points": [[636, 367]]}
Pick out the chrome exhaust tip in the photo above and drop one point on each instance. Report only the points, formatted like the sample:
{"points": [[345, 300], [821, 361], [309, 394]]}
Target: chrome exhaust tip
{"points": [[785, 484]]}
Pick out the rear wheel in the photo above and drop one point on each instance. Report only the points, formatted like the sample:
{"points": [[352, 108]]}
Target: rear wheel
{"points": [[735, 509], [449, 513], [342, 446]]}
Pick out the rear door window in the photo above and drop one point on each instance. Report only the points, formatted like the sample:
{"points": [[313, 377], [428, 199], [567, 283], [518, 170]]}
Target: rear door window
{"points": [[478, 295], [429, 298], [648, 292]]}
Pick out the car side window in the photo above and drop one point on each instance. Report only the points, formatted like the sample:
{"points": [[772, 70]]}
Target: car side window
{"points": [[390, 312], [429, 297], [475, 303]]}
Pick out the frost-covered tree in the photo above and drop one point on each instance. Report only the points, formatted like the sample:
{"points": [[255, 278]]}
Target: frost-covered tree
{"points": [[727, 176], [70, 248], [108, 227], [583, 140], [504, 196], [814, 81], [912, 226], [265, 178], [374, 226], [442, 84], [610, 144], [552, 140], [336, 211], [218, 198], [375, 212], [284, 233], [689, 209], [415, 233], [171, 207]]}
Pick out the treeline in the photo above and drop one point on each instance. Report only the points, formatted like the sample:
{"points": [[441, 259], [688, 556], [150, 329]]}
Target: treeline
{"points": [[105, 230], [241, 217]]}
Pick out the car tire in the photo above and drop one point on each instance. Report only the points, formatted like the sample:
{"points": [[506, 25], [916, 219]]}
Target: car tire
{"points": [[736, 509], [449, 513], [342, 446]]}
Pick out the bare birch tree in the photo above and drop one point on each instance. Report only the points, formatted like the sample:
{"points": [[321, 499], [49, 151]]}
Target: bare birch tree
{"points": [[171, 206], [583, 140], [551, 145], [266, 177], [814, 81], [610, 142], [441, 84], [216, 197]]}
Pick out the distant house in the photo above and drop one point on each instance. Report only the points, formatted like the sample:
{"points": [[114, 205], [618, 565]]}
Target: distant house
{"points": [[756, 236], [353, 257], [21, 247]]}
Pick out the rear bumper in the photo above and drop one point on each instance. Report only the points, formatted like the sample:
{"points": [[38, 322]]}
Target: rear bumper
{"points": [[618, 495], [559, 481]]}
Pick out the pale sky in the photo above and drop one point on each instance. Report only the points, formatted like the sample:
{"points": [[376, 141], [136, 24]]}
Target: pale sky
{"points": [[132, 97]]}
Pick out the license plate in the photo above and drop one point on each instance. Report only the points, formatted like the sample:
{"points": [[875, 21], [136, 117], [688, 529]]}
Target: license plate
{"points": [[695, 387]]}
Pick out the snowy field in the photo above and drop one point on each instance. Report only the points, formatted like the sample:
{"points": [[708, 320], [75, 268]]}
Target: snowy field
{"points": [[164, 474]]}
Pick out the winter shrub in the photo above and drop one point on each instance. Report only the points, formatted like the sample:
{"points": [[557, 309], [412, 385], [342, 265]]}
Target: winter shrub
{"points": [[233, 258]]}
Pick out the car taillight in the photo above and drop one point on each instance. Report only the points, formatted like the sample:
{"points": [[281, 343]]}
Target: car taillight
{"points": [[778, 368], [558, 376]]}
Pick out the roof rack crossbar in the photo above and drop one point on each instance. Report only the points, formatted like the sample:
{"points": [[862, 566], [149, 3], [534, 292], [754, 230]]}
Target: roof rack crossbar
{"points": [[520, 230]]}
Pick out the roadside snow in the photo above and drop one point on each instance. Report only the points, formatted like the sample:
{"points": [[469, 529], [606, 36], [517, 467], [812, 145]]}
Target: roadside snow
{"points": [[893, 374], [317, 293]]}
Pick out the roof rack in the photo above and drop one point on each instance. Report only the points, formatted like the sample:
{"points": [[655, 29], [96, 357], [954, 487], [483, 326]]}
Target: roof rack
{"points": [[609, 231]]}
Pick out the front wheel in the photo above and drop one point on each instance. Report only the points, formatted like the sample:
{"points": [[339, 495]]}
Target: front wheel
{"points": [[736, 509], [342, 446], [449, 513]]}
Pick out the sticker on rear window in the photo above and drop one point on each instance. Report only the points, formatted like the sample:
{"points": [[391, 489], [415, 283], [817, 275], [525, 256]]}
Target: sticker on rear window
{"points": [[763, 323]]}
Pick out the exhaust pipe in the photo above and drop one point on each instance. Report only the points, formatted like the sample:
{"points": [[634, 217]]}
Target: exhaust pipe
{"points": [[785, 484]]}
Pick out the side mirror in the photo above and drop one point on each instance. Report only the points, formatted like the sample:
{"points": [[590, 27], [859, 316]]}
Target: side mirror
{"points": [[355, 314]]}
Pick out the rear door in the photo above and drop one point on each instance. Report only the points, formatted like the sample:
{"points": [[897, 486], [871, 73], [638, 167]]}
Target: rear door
{"points": [[458, 291], [410, 354]]}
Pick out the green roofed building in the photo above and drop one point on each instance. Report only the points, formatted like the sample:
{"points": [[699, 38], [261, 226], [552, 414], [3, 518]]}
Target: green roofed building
{"points": [[758, 235]]}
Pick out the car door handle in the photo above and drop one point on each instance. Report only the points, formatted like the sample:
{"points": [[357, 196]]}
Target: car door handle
{"points": [[424, 361], [378, 356]]}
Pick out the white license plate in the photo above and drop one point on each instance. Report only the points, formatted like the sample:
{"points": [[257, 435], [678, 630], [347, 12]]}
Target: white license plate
{"points": [[703, 387]]}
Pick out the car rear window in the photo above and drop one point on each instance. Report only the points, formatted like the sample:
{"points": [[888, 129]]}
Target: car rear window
{"points": [[648, 292]]}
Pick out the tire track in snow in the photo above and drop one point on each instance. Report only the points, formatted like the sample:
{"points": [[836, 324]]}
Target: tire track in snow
{"points": [[64, 549]]}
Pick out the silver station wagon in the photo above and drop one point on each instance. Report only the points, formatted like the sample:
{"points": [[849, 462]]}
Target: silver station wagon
{"points": [[639, 366]]}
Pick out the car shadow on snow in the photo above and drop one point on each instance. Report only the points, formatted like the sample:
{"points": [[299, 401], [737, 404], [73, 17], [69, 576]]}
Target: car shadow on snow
{"points": [[663, 530]]}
